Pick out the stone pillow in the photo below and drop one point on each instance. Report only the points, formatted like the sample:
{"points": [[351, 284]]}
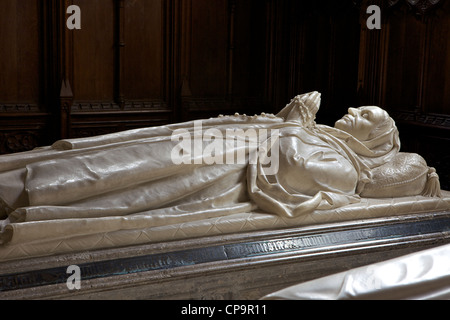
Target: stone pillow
{"points": [[406, 175]]}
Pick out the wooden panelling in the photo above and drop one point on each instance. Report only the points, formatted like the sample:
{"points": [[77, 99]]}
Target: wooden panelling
{"points": [[417, 66], [23, 132], [404, 65], [93, 52], [144, 54], [127, 59], [209, 49], [436, 95], [224, 54], [248, 49], [25, 118], [19, 52]]}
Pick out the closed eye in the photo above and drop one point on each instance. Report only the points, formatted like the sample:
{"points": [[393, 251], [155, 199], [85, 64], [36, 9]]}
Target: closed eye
{"points": [[366, 115]]}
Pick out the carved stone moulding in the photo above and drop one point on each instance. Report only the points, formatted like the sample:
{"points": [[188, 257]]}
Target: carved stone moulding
{"points": [[196, 268]]}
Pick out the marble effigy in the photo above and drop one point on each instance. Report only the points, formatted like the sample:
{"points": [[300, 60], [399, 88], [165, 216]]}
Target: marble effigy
{"points": [[423, 275], [148, 185]]}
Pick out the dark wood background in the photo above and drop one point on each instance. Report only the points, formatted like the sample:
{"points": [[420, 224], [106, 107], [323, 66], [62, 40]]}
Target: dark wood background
{"points": [[138, 63]]}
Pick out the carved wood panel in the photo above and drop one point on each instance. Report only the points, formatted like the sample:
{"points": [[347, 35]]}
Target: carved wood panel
{"points": [[144, 50], [157, 61], [130, 41], [25, 118], [20, 24], [405, 65], [93, 52], [223, 57]]}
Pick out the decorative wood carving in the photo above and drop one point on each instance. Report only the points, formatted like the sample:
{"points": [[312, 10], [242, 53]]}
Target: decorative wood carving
{"points": [[419, 7], [10, 108], [27, 95], [20, 141], [143, 106], [432, 120], [25, 137]]}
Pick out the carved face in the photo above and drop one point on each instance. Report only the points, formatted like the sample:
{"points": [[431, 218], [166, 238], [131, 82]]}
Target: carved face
{"points": [[361, 122]]}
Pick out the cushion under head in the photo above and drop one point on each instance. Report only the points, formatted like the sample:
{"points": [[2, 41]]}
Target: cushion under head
{"points": [[406, 175]]}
